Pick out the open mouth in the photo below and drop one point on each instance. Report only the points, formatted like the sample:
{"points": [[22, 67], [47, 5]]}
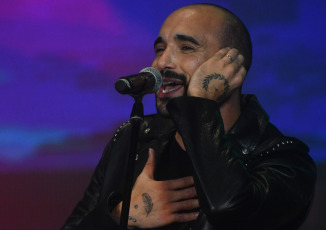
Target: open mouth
{"points": [[170, 86]]}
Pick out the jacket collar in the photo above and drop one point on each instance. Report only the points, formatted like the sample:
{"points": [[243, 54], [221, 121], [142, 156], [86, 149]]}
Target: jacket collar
{"points": [[246, 132], [155, 126]]}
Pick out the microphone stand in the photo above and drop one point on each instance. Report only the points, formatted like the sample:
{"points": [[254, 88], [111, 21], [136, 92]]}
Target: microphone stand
{"points": [[136, 117]]}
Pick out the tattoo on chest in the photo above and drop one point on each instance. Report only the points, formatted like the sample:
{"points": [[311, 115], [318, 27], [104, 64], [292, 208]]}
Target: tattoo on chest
{"points": [[148, 203], [132, 219], [213, 76]]}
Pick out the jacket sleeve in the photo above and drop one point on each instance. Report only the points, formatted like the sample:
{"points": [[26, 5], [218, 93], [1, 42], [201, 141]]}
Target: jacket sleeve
{"points": [[90, 212], [232, 194]]}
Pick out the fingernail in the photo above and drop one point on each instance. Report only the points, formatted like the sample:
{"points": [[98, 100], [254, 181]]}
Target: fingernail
{"points": [[228, 48]]}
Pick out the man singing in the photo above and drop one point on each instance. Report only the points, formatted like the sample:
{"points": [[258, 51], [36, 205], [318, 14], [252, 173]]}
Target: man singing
{"points": [[209, 158]]}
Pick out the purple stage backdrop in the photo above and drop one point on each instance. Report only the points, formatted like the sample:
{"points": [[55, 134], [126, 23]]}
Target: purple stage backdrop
{"points": [[59, 60]]}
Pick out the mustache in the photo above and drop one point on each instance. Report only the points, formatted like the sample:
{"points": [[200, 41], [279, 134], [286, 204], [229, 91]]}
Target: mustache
{"points": [[172, 74]]}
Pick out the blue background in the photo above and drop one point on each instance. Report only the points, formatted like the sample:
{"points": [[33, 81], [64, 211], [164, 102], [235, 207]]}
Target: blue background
{"points": [[58, 107]]}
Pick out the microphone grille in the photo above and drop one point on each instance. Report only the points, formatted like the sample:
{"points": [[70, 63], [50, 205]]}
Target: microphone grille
{"points": [[157, 76]]}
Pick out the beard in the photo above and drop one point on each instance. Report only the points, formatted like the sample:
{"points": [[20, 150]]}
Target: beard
{"points": [[161, 102], [161, 105]]}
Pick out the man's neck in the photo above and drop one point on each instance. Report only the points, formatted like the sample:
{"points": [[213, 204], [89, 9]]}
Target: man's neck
{"points": [[230, 111]]}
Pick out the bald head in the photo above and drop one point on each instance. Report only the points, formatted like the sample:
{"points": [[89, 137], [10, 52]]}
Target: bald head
{"points": [[230, 33]]}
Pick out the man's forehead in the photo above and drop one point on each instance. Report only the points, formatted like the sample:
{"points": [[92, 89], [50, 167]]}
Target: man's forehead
{"points": [[195, 16], [192, 22]]}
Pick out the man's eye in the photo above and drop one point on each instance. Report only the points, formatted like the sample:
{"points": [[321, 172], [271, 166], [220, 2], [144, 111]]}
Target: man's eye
{"points": [[187, 48], [158, 50]]}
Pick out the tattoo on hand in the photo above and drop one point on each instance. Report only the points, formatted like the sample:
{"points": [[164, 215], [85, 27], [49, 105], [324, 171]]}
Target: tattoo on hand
{"points": [[219, 77], [148, 203]]}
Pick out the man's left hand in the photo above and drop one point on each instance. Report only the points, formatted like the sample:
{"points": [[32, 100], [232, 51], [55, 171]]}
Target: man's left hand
{"points": [[219, 76]]}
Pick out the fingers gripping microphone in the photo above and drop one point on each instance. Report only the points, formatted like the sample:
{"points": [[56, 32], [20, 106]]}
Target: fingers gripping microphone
{"points": [[148, 80]]}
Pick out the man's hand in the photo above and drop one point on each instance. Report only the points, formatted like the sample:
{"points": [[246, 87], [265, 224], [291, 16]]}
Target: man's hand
{"points": [[158, 203], [216, 78]]}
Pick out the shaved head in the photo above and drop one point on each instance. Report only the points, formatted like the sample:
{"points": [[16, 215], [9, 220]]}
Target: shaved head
{"points": [[234, 32]]}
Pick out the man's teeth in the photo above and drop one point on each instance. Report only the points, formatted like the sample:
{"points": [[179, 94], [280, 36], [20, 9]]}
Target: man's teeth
{"points": [[168, 90], [169, 83]]}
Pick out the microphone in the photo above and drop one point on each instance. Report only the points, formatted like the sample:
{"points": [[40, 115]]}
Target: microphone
{"points": [[148, 80]]}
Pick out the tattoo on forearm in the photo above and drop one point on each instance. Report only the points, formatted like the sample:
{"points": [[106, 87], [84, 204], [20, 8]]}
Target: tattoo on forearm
{"points": [[148, 203], [219, 77]]}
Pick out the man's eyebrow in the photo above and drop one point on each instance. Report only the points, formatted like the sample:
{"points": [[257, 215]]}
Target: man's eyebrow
{"points": [[158, 40], [183, 37], [180, 37]]}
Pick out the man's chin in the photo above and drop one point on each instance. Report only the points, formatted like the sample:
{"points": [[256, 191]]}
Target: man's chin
{"points": [[161, 106]]}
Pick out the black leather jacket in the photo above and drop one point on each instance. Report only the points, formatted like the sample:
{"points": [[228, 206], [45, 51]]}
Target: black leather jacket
{"points": [[251, 178]]}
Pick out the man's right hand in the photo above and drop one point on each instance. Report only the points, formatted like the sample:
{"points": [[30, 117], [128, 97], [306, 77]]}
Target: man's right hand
{"points": [[159, 203]]}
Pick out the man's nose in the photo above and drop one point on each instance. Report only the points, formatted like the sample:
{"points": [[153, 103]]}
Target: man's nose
{"points": [[167, 60]]}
